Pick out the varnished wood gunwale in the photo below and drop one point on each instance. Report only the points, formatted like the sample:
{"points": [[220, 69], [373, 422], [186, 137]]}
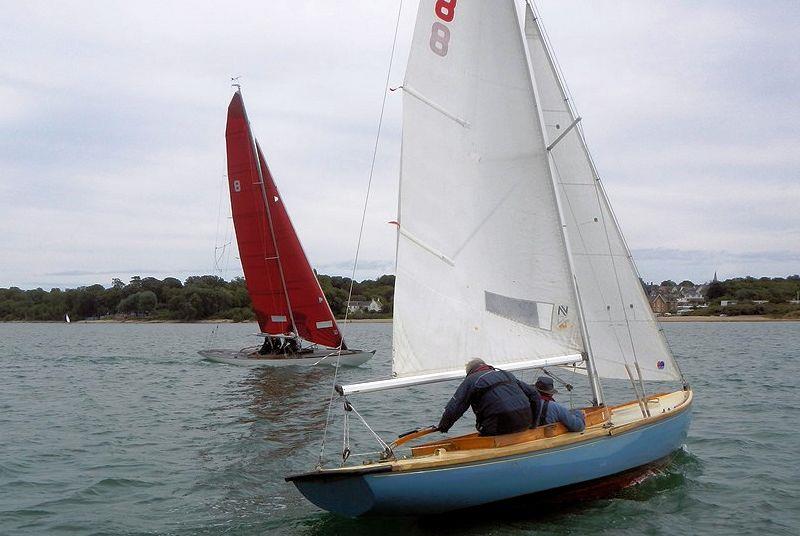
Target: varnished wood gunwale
{"points": [[443, 458], [593, 416]]}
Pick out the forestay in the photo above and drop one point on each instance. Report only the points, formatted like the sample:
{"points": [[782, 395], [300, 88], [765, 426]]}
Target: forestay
{"points": [[620, 323], [481, 261]]}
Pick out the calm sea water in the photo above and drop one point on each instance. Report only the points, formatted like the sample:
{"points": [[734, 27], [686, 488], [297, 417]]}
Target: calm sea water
{"points": [[122, 429]]}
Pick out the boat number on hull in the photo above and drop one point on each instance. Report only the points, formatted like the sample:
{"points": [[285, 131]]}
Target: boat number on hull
{"points": [[237, 186], [440, 33]]}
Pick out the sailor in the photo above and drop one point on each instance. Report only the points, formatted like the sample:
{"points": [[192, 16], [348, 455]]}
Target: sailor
{"points": [[267, 347], [550, 411], [501, 403], [291, 346]]}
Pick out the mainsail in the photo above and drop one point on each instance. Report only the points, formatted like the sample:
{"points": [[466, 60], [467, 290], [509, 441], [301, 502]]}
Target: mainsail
{"points": [[283, 288], [482, 269], [620, 323]]}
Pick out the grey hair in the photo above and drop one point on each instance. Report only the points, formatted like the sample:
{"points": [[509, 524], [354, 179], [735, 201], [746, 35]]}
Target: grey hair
{"points": [[472, 364]]}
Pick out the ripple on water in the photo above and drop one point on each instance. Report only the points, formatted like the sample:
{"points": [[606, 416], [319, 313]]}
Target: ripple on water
{"points": [[121, 429]]}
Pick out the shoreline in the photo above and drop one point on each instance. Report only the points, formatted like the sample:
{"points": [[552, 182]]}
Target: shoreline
{"points": [[163, 321], [740, 318]]}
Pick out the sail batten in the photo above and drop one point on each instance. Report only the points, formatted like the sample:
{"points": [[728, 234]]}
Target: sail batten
{"points": [[284, 291]]}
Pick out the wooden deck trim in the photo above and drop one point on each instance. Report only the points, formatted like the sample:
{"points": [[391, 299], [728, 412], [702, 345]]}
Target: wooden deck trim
{"points": [[442, 458], [593, 416]]}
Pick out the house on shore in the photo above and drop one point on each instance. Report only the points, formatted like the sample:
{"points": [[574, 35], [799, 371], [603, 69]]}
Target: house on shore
{"points": [[662, 305], [372, 306]]}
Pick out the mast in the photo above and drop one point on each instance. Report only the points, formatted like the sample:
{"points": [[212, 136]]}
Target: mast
{"points": [[605, 205], [594, 381], [254, 148]]}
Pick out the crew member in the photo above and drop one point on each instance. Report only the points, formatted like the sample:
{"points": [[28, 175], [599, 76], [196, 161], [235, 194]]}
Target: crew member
{"points": [[501, 403], [550, 411]]}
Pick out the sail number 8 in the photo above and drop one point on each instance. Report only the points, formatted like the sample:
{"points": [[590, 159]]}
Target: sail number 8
{"points": [[440, 34]]}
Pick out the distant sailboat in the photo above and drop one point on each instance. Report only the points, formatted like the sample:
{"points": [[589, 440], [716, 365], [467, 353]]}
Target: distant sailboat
{"points": [[507, 250], [286, 297], [66, 318]]}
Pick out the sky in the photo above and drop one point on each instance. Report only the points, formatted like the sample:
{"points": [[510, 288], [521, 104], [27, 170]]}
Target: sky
{"points": [[112, 120]]}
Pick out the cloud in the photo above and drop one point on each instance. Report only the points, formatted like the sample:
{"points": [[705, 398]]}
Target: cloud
{"points": [[112, 123]]}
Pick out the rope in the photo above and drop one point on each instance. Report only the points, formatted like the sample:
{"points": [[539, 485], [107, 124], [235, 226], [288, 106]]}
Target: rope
{"points": [[222, 252], [361, 231], [600, 190]]}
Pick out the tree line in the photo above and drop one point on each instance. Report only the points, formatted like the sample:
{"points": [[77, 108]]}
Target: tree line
{"points": [[197, 298], [776, 296], [211, 297]]}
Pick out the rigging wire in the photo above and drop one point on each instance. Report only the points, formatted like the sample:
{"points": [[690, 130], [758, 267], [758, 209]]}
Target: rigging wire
{"points": [[602, 198], [221, 252], [361, 234]]}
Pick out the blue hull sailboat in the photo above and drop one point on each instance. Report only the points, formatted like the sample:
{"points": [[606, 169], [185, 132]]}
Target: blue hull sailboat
{"points": [[440, 478], [507, 250]]}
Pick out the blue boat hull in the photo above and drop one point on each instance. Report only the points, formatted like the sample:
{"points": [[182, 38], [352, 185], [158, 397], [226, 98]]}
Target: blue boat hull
{"points": [[438, 490]]}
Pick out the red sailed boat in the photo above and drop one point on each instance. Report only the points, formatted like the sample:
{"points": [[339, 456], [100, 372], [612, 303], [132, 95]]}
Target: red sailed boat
{"points": [[287, 300]]}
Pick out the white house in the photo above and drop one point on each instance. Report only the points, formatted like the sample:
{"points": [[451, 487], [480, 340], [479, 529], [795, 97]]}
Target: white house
{"points": [[373, 306]]}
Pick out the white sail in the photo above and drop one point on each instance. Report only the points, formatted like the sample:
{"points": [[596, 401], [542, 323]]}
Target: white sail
{"points": [[621, 326], [481, 262]]}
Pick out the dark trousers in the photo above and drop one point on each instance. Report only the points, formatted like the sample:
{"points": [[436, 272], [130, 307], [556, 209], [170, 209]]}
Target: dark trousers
{"points": [[505, 423]]}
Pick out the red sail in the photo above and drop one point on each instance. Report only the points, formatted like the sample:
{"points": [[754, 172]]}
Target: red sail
{"points": [[280, 281]]}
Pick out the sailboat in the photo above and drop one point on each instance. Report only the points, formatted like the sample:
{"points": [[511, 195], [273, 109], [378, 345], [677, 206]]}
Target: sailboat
{"points": [[286, 297], [66, 318], [507, 250]]}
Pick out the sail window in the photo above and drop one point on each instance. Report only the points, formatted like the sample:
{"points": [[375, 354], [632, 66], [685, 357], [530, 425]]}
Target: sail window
{"points": [[528, 312], [325, 324], [278, 318]]}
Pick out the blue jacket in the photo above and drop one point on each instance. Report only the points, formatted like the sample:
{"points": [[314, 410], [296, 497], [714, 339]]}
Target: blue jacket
{"points": [[502, 403], [555, 412]]}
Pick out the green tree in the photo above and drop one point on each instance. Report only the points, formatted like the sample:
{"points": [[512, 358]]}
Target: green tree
{"points": [[715, 291]]}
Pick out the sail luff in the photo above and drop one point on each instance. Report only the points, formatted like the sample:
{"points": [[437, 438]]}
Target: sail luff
{"points": [[594, 383], [310, 277], [618, 315], [481, 265], [256, 249], [259, 160]]}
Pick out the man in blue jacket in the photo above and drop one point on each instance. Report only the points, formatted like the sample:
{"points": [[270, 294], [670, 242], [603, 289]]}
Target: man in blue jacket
{"points": [[502, 404], [550, 411]]}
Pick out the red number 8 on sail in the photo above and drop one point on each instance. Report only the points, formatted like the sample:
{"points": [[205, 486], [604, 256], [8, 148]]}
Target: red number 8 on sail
{"points": [[440, 34], [446, 9]]}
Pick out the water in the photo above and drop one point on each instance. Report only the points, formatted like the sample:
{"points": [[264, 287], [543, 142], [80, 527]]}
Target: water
{"points": [[121, 429]]}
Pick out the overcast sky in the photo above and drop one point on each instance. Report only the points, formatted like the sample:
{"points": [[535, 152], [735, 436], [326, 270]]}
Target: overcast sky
{"points": [[112, 119]]}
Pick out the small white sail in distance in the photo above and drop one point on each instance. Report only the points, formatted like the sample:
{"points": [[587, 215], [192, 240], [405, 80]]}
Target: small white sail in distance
{"points": [[66, 318]]}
